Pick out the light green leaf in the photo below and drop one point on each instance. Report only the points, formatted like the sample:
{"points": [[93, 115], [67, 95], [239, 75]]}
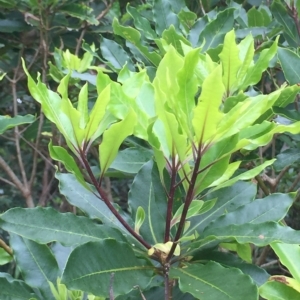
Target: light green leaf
{"points": [[45, 225], [289, 256], [139, 219], [207, 282], [4, 257], [230, 61], [275, 290], [95, 274], [246, 175], [36, 263], [82, 106], [113, 138], [193, 210], [61, 154], [207, 114], [7, 122]]}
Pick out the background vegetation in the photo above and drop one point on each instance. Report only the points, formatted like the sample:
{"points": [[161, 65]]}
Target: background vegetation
{"points": [[109, 34]]}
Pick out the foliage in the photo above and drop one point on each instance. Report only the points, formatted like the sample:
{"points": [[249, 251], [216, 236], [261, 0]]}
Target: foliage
{"points": [[193, 99]]}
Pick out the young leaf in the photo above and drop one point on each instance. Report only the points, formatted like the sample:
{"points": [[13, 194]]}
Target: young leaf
{"points": [[230, 61], [207, 114], [275, 290], [139, 219], [113, 138]]}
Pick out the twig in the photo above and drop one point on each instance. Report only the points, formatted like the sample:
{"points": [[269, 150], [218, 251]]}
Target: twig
{"points": [[262, 256], [294, 184], [262, 185], [6, 248]]}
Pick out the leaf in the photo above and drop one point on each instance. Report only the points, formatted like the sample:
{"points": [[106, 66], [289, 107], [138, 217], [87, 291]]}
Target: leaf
{"points": [[12, 289], [255, 18], [274, 290], [139, 219], [115, 55], [146, 191], [207, 282], [254, 72], [4, 257], [281, 15], [164, 16], [45, 225], [228, 199], [82, 106], [61, 154], [227, 259], [260, 234], [230, 61], [36, 263], [207, 113], [113, 138], [289, 61], [134, 37], [86, 201], [214, 32], [6, 122], [131, 160], [286, 158], [289, 256], [271, 208], [99, 261], [141, 23]]}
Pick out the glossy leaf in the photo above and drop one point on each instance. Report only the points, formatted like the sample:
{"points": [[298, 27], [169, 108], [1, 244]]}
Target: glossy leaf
{"points": [[259, 234], [103, 267], [61, 154], [146, 191], [289, 256], [6, 122], [86, 200], [230, 61], [131, 160], [113, 138], [275, 290], [207, 282], [228, 199], [271, 208], [290, 63], [207, 114], [36, 263], [45, 225]]}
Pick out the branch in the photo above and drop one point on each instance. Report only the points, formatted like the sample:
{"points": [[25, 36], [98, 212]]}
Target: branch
{"points": [[6, 248]]}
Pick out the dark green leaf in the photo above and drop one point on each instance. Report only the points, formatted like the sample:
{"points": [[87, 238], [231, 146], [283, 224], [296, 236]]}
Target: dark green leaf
{"points": [[106, 265], [36, 263], [228, 199], [214, 32], [7, 25], [163, 16], [12, 289], [45, 225], [212, 281], [131, 160], [287, 158], [290, 63], [272, 208], [115, 55], [146, 191]]}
